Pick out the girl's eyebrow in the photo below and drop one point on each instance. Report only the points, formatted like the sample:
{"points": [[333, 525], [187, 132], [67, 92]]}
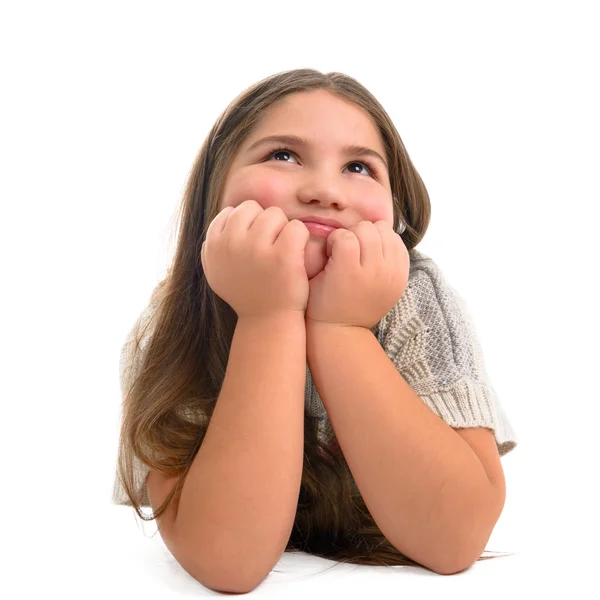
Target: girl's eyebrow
{"points": [[304, 143]]}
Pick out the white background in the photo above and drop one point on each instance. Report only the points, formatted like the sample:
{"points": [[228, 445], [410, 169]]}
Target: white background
{"points": [[104, 106]]}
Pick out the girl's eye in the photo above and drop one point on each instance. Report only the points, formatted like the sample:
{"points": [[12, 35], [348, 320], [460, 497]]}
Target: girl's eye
{"points": [[280, 151], [371, 170]]}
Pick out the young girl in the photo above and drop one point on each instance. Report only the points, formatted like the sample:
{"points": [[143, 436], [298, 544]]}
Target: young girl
{"points": [[304, 379]]}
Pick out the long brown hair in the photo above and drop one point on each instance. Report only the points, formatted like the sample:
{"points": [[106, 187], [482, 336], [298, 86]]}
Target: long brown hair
{"points": [[168, 404]]}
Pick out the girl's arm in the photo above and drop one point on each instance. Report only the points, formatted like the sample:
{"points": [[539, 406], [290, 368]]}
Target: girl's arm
{"points": [[424, 485], [238, 503]]}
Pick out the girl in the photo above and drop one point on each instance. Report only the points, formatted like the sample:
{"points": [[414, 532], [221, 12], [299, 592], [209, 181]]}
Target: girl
{"points": [[304, 379]]}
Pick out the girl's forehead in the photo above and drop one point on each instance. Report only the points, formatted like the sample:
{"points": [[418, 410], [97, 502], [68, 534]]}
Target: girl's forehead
{"points": [[318, 113], [312, 103]]}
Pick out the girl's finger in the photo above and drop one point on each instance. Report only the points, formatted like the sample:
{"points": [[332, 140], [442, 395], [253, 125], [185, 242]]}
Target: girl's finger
{"points": [[388, 239], [369, 239], [218, 223], [343, 247]]}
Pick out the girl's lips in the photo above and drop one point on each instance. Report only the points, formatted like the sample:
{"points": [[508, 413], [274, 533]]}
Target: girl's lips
{"points": [[318, 229]]}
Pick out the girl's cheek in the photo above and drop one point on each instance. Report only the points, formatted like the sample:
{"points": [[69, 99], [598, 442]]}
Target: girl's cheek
{"points": [[378, 211], [270, 191], [266, 190]]}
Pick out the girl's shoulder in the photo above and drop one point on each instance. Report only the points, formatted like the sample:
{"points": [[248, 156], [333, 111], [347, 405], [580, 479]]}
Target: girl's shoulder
{"points": [[419, 261]]}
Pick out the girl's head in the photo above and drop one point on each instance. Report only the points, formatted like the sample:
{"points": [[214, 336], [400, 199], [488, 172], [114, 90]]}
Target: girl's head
{"points": [[348, 162]]}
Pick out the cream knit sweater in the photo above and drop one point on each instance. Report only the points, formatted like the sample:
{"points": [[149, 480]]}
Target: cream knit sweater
{"points": [[429, 337]]}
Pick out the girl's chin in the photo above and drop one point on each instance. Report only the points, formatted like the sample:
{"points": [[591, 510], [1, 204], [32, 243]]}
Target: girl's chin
{"points": [[314, 263]]}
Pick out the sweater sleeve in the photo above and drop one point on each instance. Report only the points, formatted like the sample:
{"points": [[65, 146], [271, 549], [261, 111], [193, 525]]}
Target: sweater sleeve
{"points": [[430, 338], [129, 368]]}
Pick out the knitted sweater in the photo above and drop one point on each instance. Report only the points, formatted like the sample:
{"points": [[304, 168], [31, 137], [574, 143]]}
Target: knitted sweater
{"points": [[430, 338]]}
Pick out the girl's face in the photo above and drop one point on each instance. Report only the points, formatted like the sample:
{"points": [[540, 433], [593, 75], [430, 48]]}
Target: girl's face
{"points": [[319, 176]]}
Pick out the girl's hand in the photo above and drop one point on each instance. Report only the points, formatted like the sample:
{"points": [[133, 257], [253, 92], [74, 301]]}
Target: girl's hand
{"points": [[253, 258], [366, 274]]}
